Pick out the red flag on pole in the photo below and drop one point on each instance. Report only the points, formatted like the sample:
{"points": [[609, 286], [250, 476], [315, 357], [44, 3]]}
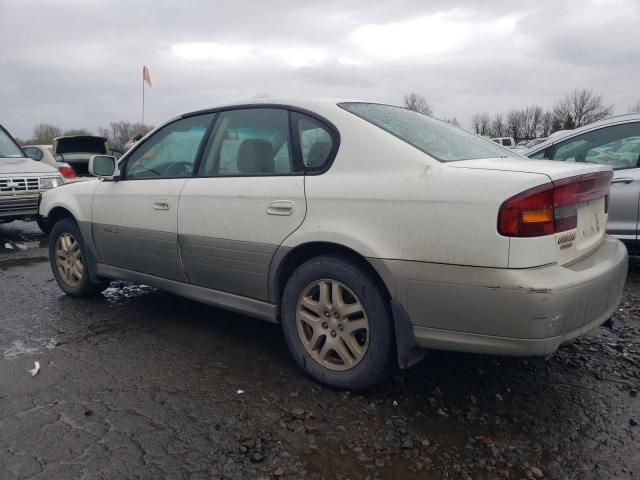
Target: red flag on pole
{"points": [[145, 75]]}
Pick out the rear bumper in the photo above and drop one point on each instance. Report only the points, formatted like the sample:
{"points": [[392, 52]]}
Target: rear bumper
{"points": [[508, 311]]}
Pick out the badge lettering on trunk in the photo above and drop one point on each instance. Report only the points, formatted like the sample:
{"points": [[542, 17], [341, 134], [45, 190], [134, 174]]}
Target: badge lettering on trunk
{"points": [[565, 241]]}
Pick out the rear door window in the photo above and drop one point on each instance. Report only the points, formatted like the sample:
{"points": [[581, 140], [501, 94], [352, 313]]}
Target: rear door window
{"points": [[33, 152], [316, 142], [617, 146], [249, 142]]}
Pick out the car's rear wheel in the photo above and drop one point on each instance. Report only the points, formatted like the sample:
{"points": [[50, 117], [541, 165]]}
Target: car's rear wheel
{"points": [[337, 322], [68, 258]]}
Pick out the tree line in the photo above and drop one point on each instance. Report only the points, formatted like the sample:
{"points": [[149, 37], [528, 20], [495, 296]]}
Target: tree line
{"points": [[118, 134], [575, 109]]}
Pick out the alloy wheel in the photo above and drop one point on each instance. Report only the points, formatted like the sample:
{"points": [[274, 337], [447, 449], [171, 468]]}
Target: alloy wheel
{"points": [[69, 260], [332, 324]]}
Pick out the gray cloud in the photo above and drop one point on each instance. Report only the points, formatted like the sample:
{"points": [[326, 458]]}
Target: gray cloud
{"points": [[78, 63]]}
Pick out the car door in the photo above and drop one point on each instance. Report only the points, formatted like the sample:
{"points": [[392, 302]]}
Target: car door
{"points": [[247, 197], [619, 147], [135, 219]]}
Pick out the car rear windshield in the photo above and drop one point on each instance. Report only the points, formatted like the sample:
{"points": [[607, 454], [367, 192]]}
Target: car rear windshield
{"points": [[8, 148], [434, 137], [81, 145]]}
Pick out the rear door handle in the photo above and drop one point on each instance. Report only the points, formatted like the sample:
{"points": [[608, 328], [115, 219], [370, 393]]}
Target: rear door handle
{"points": [[161, 204], [280, 207], [622, 180]]}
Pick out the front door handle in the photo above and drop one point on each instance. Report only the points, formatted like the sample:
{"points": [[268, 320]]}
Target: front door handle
{"points": [[621, 180], [161, 204], [280, 207]]}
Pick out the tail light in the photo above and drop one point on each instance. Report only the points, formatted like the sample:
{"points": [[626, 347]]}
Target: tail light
{"points": [[552, 207], [66, 171]]}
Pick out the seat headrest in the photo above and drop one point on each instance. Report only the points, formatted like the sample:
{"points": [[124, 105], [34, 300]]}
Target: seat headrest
{"points": [[255, 156], [318, 154]]}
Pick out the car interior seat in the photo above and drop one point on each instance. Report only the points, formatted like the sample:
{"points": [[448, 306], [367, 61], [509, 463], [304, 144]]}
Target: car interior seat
{"points": [[318, 154], [255, 157]]}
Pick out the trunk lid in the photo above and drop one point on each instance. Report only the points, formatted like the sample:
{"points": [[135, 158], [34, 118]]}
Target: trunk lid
{"points": [[553, 169], [77, 150], [80, 144], [590, 209]]}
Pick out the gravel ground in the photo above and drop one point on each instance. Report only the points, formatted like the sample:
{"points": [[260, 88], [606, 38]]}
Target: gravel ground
{"points": [[142, 384]]}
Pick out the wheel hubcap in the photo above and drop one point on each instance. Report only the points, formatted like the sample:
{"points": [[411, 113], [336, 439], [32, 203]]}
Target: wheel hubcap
{"points": [[69, 259], [332, 324]]}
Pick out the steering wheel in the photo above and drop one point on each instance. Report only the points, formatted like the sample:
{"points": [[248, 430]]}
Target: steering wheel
{"points": [[179, 169]]}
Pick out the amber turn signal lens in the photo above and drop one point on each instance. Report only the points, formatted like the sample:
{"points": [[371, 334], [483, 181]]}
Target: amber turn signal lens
{"points": [[537, 216]]}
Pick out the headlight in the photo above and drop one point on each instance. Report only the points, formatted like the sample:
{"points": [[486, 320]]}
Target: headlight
{"points": [[50, 182]]}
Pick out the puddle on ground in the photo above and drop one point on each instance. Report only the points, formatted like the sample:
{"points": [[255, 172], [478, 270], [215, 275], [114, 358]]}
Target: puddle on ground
{"points": [[123, 290], [19, 347]]}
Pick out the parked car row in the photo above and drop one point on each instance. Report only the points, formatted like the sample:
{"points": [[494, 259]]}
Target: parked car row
{"points": [[70, 155], [368, 231]]}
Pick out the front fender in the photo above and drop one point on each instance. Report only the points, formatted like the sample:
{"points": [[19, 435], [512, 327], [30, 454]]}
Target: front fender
{"points": [[76, 198]]}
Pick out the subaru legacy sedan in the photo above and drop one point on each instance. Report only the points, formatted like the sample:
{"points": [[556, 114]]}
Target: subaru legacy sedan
{"points": [[367, 231]]}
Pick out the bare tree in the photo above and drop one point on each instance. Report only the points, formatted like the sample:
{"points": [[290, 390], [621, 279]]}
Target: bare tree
{"points": [[122, 132], [634, 108], [546, 124], [583, 106], [531, 116], [77, 131], [480, 122], [498, 126], [417, 103], [516, 124], [43, 134]]}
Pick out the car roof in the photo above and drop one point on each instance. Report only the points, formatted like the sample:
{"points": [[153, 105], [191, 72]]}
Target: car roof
{"points": [[624, 118]]}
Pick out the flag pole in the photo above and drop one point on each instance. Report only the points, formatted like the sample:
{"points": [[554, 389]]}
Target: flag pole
{"points": [[142, 125]]}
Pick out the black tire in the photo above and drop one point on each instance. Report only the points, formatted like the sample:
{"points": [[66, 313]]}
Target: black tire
{"points": [[43, 224], [378, 360], [85, 287]]}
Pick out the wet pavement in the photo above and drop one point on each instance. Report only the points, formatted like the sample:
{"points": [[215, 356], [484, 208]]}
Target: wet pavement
{"points": [[139, 383]]}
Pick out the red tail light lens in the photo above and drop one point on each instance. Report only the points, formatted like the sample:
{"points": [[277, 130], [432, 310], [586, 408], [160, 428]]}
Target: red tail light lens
{"points": [[552, 207], [66, 171]]}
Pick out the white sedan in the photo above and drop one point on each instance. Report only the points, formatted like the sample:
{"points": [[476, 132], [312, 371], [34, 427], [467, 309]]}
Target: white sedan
{"points": [[367, 231]]}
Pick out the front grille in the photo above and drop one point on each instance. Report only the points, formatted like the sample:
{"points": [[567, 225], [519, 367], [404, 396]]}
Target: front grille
{"points": [[18, 204], [21, 184]]}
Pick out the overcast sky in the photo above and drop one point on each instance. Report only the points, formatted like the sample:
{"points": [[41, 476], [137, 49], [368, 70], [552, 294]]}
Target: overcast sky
{"points": [[78, 63]]}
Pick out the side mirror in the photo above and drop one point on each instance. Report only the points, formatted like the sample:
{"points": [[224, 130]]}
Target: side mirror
{"points": [[103, 166]]}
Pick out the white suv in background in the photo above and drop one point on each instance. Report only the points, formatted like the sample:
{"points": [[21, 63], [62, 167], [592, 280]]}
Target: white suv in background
{"points": [[367, 231], [21, 182]]}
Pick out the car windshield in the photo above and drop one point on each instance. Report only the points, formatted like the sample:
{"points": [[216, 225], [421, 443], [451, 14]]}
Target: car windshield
{"points": [[8, 148], [434, 137]]}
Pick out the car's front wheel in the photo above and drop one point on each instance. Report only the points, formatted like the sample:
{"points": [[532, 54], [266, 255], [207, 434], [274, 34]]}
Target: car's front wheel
{"points": [[337, 322], [68, 258]]}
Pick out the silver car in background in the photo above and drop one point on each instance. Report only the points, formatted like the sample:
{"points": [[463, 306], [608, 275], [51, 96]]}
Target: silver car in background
{"points": [[615, 142]]}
